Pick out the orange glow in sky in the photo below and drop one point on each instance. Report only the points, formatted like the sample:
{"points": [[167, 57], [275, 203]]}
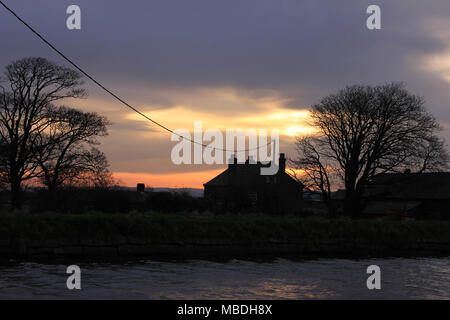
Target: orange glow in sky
{"points": [[289, 122], [139, 152], [168, 180]]}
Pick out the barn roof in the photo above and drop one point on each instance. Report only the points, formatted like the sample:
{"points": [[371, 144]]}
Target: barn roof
{"points": [[418, 186]]}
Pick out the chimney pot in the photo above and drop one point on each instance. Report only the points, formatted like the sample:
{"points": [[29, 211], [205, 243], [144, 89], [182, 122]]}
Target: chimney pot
{"points": [[140, 187], [282, 163]]}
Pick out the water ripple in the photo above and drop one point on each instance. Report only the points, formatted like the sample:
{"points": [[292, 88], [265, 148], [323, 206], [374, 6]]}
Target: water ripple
{"points": [[237, 279]]}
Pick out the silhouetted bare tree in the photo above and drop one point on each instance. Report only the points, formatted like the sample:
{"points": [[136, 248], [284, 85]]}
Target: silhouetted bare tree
{"points": [[96, 174], [33, 132], [317, 171], [3, 169], [362, 131], [70, 155]]}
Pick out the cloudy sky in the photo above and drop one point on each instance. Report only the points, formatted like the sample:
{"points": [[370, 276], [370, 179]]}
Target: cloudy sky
{"points": [[230, 63]]}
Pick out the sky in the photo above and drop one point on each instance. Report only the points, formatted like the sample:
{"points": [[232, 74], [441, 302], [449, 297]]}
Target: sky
{"points": [[231, 64]]}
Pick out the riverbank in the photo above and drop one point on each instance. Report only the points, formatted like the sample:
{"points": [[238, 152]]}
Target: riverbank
{"points": [[204, 235]]}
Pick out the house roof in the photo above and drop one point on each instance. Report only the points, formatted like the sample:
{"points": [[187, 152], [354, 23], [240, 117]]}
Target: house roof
{"points": [[410, 186], [241, 171], [219, 180], [244, 172]]}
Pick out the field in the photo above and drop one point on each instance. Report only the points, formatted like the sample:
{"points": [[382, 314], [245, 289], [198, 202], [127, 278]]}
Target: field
{"points": [[191, 234]]}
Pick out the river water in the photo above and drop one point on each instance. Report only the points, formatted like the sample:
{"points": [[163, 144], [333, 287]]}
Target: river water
{"points": [[401, 278]]}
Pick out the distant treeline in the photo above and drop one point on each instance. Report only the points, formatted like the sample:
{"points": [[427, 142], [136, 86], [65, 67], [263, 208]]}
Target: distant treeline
{"points": [[82, 200]]}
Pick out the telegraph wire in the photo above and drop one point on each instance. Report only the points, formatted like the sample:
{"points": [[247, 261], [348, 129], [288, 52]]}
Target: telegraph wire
{"points": [[48, 43]]}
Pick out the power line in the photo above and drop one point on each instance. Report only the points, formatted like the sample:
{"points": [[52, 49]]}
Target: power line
{"points": [[112, 93]]}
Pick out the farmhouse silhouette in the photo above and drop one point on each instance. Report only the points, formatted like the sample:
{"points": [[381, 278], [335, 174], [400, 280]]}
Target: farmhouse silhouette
{"points": [[242, 187]]}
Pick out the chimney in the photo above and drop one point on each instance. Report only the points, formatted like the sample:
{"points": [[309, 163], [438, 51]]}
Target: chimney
{"points": [[282, 163], [232, 161], [232, 164]]}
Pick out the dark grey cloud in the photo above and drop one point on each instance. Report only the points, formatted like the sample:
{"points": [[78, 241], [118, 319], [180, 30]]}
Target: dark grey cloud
{"points": [[300, 49], [283, 44], [253, 44]]}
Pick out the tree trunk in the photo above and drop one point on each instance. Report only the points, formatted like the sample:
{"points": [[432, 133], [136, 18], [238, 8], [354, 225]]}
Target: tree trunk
{"points": [[331, 211], [51, 196], [352, 203], [16, 194], [326, 198], [51, 187]]}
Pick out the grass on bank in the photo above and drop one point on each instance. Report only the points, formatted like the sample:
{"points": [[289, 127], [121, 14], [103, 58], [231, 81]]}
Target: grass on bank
{"points": [[178, 227]]}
